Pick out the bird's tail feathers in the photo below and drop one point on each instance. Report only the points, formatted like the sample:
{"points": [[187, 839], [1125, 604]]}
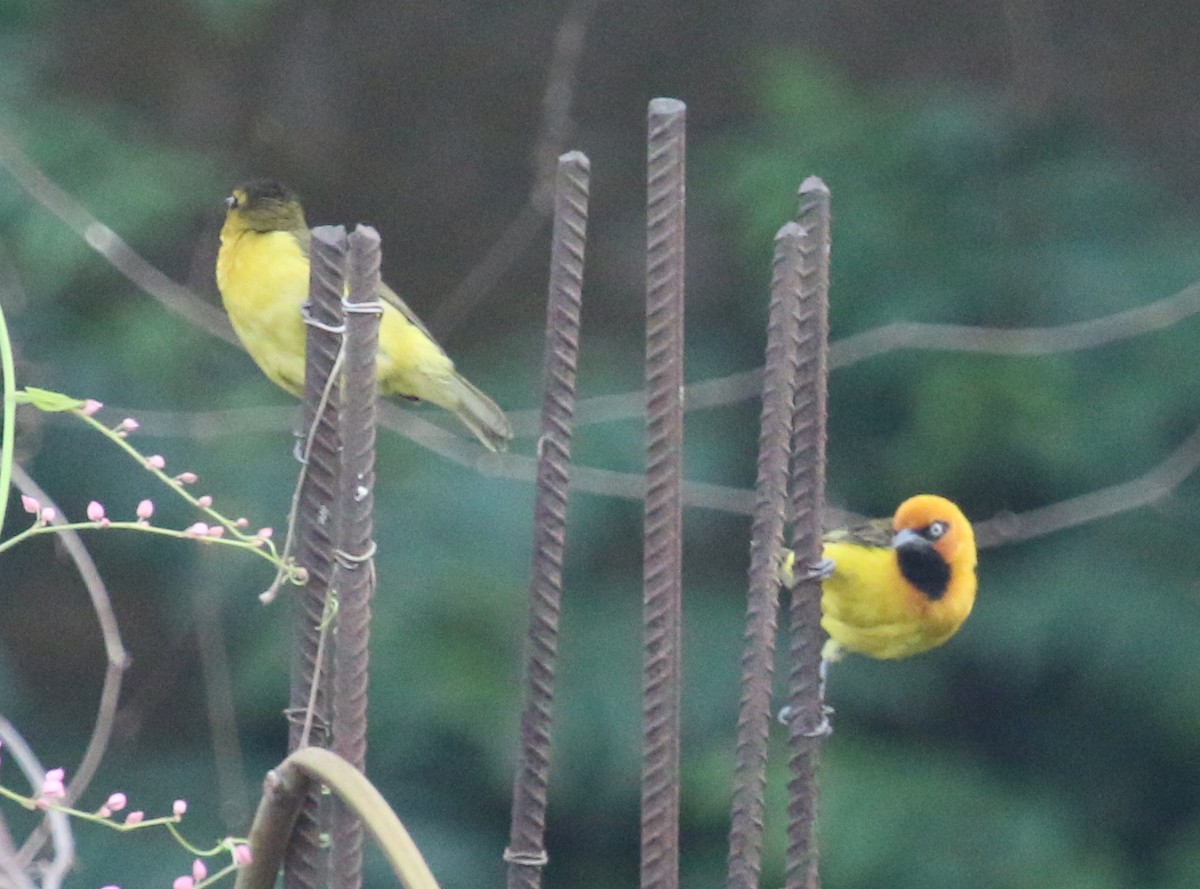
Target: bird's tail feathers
{"points": [[482, 416]]}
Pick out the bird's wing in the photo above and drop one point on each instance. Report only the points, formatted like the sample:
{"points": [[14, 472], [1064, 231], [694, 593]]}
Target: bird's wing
{"points": [[388, 295], [877, 532], [391, 297]]}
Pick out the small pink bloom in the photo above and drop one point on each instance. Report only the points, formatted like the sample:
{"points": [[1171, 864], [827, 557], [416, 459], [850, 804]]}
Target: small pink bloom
{"points": [[47, 515], [156, 461], [145, 509], [265, 533], [116, 802], [186, 478], [242, 855], [52, 786], [95, 511], [205, 501], [243, 522], [91, 405], [199, 870], [135, 817], [197, 530], [179, 807], [30, 504], [216, 531], [183, 883], [129, 424]]}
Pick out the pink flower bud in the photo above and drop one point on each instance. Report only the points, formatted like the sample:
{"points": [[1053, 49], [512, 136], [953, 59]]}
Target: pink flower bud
{"points": [[183, 883], [95, 511], [129, 424], [52, 785], [116, 802], [265, 533], [30, 504], [145, 509], [179, 807], [216, 531], [199, 870], [242, 855], [186, 478], [47, 515], [243, 522], [135, 818], [156, 461], [205, 501], [91, 406], [197, 530]]}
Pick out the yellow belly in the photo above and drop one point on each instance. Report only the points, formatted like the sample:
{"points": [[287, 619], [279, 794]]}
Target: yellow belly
{"points": [[263, 279], [868, 607]]}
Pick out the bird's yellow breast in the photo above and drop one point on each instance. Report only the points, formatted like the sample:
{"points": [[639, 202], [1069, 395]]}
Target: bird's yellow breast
{"points": [[263, 279], [869, 607]]}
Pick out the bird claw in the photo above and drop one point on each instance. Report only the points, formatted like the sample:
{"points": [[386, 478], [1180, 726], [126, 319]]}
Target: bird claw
{"points": [[821, 571]]}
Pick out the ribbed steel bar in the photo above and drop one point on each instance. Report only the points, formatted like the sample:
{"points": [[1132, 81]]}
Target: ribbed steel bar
{"points": [[663, 556], [355, 571], [808, 722], [306, 863], [526, 852], [762, 606]]}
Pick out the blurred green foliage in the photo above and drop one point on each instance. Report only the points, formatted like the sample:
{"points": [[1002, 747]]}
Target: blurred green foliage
{"points": [[1055, 742]]}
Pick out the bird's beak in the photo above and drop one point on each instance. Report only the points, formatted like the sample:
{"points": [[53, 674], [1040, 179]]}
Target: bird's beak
{"points": [[908, 537]]}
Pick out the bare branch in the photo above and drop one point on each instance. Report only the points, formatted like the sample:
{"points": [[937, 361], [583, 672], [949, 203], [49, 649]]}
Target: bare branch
{"points": [[114, 650], [111, 247], [551, 142]]}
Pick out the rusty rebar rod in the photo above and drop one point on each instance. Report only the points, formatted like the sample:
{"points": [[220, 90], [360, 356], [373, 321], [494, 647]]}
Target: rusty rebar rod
{"points": [[355, 567], [526, 852], [663, 556], [767, 537], [808, 720], [308, 710]]}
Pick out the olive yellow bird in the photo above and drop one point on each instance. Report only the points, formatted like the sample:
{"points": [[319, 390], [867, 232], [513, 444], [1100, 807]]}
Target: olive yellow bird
{"points": [[897, 587], [262, 273]]}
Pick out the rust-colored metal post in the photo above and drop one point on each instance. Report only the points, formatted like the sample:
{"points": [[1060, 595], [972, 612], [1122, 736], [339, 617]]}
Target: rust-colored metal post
{"points": [[355, 571], [663, 557], [808, 721], [308, 710], [762, 606], [526, 852]]}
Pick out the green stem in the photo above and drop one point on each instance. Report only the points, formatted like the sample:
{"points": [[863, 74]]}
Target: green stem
{"points": [[7, 437]]}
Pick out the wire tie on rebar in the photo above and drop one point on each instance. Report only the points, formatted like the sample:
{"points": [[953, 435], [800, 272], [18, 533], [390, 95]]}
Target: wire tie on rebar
{"points": [[527, 859], [371, 307], [320, 325], [298, 716], [298, 450], [823, 728], [350, 562]]}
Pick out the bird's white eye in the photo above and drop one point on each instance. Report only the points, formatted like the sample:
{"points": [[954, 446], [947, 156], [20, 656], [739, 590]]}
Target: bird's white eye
{"points": [[937, 530]]}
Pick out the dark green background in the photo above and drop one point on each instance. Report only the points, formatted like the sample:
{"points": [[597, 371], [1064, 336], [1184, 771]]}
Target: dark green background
{"points": [[1006, 165]]}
